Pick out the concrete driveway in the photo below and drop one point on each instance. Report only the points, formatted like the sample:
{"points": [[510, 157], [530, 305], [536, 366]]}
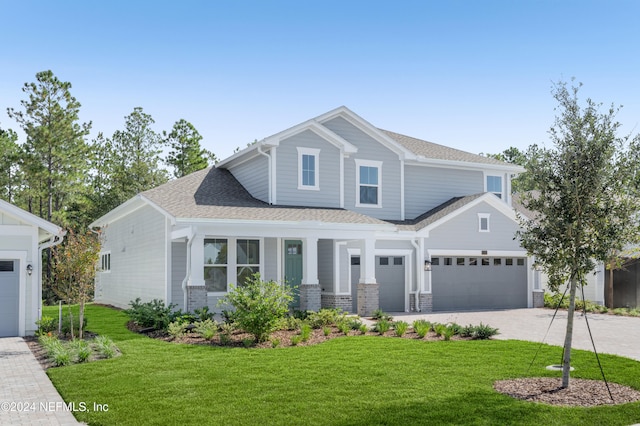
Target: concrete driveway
{"points": [[612, 334]]}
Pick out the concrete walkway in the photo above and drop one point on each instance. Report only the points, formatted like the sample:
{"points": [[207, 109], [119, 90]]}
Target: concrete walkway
{"points": [[612, 334], [27, 396]]}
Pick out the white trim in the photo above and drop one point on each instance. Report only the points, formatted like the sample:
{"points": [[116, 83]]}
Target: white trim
{"points": [[21, 257], [311, 152], [232, 260], [402, 189], [502, 185], [373, 164], [273, 177], [30, 219], [475, 253], [486, 216], [342, 160], [466, 165]]}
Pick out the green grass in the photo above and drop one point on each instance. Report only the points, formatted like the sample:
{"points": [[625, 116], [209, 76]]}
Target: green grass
{"points": [[359, 380]]}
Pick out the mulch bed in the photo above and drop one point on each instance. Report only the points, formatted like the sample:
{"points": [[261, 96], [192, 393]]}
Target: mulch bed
{"points": [[580, 393]]}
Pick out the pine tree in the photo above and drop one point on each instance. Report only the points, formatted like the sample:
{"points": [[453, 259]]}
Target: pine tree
{"points": [[186, 155]]}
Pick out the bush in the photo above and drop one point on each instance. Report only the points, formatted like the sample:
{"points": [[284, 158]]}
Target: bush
{"points": [[305, 332], [176, 328], [326, 331], [483, 332], [226, 331], [354, 323], [382, 326], [467, 331], [379, 314], [203, 314], [400, 328], [105, 346], [259, 306], [344, 327], [45, 325], [81, 350], [295, 340], [421, 327], [206, 329], [152, 314], [363, 328], [325, 317], [290, 323]]}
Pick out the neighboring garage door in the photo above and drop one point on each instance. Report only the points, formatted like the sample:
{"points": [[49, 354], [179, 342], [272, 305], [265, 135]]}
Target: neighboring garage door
{"points": [[9, 298], [468, 283], [390, 275]]}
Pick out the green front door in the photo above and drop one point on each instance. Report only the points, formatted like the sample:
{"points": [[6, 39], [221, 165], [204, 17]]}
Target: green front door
{"points": [[293, 268]]}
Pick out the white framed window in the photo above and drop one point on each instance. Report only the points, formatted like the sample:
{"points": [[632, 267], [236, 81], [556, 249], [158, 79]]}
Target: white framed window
{"points": [[494, 185], [369, 183], [105, 261], [483, 222], [308, 161], [230, 260]]}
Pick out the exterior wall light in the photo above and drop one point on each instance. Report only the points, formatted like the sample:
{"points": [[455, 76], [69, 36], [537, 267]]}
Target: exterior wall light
{"points": [[29, 269], [427, 265]]}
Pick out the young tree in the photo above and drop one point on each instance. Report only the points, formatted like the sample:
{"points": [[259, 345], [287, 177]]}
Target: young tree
{"points": [[55, 151], [186, 155], [586, 196], [75, 269], [9, 170]]}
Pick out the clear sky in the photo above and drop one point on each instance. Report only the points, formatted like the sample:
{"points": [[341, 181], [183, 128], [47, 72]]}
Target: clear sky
{"points": [[474, 75]]}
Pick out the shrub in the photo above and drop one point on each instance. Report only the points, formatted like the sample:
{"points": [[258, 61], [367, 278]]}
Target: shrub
{"points": [[354, 323], [619, 311], [176, 328], [379, 314], [326, 331], [248, 342], [66, 324], [447, 332], [363, 328], [325, 317], [455, 327], [206, 328], [400, 328], [305, 332], [45, 325], [275, 342], [62, 356], [105, 346], [81, 350], [382, 326], [483, 332], [295, 340], [344, 327], [151, 314], [467, 331], [226, 331], [259, 306], [203, 314], [421, 327], [290, 323]]}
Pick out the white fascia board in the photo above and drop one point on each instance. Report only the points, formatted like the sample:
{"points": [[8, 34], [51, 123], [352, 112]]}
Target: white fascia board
{"points": [[297, 225], [369, 129], [488, 198], [424, 161], [319, 130], [31, 219]]}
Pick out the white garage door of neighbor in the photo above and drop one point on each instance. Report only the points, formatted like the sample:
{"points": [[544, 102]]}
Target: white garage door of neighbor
{"points": [[9, 298]]}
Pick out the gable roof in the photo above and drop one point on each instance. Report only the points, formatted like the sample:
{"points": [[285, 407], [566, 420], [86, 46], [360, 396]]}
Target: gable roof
{"points": [[214, 194], [47, 228]]}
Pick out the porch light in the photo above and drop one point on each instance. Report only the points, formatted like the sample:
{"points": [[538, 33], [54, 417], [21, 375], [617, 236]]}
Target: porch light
{"points": [[427, 265], [29, 269]]}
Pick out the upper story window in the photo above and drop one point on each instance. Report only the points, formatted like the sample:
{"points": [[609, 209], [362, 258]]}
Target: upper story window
{"points": [[308, 168], [494, 185], [368, 177], [483, 222]]}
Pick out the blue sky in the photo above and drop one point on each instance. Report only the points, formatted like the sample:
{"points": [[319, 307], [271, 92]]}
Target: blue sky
{"points": [[475, 75]]}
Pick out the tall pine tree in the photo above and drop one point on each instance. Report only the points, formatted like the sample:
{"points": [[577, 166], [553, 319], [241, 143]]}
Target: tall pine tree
{"points": [[186, 155]]}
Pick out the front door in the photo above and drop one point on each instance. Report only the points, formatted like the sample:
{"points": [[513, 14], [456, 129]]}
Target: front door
{"points": [[293, 268]]}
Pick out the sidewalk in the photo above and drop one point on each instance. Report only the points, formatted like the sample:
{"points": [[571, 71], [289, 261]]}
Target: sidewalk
{"points": [[27, 396]]}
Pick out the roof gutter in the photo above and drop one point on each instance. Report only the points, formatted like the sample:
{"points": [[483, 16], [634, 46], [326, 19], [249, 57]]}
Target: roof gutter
{"points": [[269, 181], [51, 242]]}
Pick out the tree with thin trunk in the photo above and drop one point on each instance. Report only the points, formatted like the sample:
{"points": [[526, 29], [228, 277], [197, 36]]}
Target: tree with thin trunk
{"points": [[587, 197], [9, 164], [186, 155]]}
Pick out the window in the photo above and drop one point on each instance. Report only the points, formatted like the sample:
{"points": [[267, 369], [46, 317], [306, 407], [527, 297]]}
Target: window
{"points": [[497, 261], [508, 261], [384, 261], [485, 261], [435, 261], [473, 261], [494, 185], [483, 222], [247, 259], [215, 265], [520, 262], [397, 260], [308, 168], [460, 261], [369, 183], [355, 260], [6, 265], [448, 261], [105, 262]]}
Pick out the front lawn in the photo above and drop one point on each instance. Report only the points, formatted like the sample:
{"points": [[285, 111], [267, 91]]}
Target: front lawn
{"points": [[359, 380]]}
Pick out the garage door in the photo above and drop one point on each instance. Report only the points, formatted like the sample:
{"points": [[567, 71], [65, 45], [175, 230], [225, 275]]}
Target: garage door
{"points": [[9, 298], [390, 275], [470, 283]]}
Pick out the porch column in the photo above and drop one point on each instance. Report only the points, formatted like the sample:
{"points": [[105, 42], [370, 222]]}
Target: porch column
{"points": [[368, 288], [196, 290], [310, 299]]}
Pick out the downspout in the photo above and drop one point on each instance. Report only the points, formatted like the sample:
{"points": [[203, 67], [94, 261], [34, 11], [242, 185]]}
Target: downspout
{"points": [[416, 297], [269, 171], [51, 242], [188, 274]]}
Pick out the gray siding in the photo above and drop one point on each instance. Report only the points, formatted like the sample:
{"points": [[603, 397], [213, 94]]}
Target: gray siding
{"points": [[287, 191], [428, 187], [138, 259], [325, 265], [370, 149], [178, 272], [254, 176], [461, 232]]}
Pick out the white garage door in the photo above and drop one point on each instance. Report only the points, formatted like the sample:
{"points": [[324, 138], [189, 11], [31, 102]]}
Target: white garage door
{"points": [[469, 283], [9, 298]]}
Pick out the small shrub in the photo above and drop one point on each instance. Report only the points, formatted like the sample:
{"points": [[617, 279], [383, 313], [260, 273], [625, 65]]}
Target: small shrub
{"points": [[45, 325], [483, 332], [455, 327], [61, 356], [204, 314], [228, 316], [295, 340], [421, 327], [447, 332], [151, 314], [176, 328], [379, 314], [439, 329], [467, 331], [326, 331], [634, 312], [259, 306], [400, 328], [382, 326], [354, 323], [81, 350], [206, 328], [248, 342], [275, 342], [66, 324], [305, 332], [290, 323], [619, 311], [344, 327], [105, 346], [325, 317], [363, 329]]}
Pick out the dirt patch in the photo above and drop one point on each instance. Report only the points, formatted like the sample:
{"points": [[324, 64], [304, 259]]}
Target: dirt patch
{"points": [[580, 393]]}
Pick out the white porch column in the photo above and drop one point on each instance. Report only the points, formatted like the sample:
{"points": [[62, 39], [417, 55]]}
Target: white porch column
{"points": [[310, 297], [196, 290], [368, 288]]}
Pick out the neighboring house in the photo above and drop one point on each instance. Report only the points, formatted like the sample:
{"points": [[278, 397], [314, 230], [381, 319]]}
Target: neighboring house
{"points": [[354, 216], [23, 236]]}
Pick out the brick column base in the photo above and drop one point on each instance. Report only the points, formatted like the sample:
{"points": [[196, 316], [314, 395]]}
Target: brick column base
{"points": [[538, 299], [310, 299], [344, 302], [196, 297], [368, 299]]}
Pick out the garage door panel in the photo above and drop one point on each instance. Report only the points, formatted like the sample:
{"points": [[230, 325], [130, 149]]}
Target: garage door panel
{"points": [[390, 275], [477, 286], [9, 298]]}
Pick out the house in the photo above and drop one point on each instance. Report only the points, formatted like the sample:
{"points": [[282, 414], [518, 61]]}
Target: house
{"points": [[23, 236], [353, 216]]}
